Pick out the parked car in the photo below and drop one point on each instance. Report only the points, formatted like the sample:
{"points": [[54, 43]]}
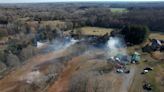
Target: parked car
{"points": [[119, 70], [148, 68]]}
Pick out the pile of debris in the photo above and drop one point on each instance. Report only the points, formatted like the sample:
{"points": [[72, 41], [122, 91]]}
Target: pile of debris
{"points": [[121, 61], [123, 70], [93, 39], [147, 86], [154, 45], [126, 59]]}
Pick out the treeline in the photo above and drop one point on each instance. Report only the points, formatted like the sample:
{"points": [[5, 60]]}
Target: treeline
{"points": [[101, 17]]}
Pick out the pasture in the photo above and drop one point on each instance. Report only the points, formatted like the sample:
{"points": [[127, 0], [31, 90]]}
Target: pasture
{"points": [[97, 31]]}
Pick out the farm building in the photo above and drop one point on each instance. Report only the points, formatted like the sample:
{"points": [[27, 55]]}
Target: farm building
{"points": [[136, 57], [155, 44]]}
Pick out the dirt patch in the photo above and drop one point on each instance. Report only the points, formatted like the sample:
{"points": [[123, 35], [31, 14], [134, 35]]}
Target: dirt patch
{"points": [[86, 73], [10, 81], [61, 84], [158, 55]]}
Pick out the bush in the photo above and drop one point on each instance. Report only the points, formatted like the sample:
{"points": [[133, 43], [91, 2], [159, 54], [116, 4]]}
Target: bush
{"points": [[3, 33], [2, 55], [2, 67], [12, 60], [135, 34], [15, 48], [27, 53]]}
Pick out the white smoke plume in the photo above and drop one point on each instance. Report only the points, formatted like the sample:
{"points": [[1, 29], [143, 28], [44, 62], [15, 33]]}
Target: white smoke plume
{"points": [[59, 44], [116, 45]]}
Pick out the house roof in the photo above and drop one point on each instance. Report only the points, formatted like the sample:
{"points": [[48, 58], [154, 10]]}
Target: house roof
{"points": [[155, 41]]}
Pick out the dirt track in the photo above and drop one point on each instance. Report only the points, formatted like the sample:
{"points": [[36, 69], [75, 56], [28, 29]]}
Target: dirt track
{"points": [[128, 79]]}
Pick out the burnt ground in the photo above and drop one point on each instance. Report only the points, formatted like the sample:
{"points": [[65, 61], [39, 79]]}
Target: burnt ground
{"points": [[9, 82], [80, 72], [89, 67]]}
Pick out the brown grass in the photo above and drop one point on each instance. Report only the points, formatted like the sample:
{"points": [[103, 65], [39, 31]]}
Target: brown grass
{"points": [[54, 24], [94, 31], [159, 36]]}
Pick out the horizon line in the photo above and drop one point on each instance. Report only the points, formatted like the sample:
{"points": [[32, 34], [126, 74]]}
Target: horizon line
{"points": [[78, 2]]}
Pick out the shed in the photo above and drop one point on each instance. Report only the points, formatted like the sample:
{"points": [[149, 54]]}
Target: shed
{"points": [[155, 44], [136, 57]]}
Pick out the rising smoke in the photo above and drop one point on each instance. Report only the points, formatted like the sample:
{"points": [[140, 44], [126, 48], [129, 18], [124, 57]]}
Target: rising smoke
{"points": [[116, 45], [59, 44]]}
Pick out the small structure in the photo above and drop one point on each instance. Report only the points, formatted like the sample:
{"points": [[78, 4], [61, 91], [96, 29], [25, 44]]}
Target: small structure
{"points": [[155, 44], [136, 57]]}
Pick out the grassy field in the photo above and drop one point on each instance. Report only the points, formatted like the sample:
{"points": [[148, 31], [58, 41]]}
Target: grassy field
{"points": [[54, 24], [118, 10], [97, 31], [159, 36], [155, 77]]}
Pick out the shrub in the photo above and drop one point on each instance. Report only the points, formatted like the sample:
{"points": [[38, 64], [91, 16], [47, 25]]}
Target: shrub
{"points": [[135, 34], [3, 32], [15, 48]]}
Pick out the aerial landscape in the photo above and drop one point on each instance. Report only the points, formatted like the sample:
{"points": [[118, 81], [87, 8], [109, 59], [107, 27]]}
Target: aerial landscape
{"points": [[81, 46]]}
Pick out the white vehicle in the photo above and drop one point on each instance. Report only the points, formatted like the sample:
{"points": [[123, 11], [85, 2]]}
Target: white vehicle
{"points": [[145, 71], [119, 71]]}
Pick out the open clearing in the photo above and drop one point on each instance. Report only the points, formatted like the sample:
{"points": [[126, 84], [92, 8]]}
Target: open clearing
{"points": [[119, 10], [97, 31], [52, 24], [157, 35], [155, 77]]}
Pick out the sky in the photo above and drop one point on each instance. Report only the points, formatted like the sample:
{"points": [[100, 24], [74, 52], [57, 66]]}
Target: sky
{"points": [[29, 1]]}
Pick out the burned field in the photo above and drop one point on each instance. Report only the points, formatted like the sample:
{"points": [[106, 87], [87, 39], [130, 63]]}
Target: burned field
{"points": [[86, 64], [81, 47]]}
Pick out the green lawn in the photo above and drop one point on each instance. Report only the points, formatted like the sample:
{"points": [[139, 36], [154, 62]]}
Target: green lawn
{"points": [[119, 10]]}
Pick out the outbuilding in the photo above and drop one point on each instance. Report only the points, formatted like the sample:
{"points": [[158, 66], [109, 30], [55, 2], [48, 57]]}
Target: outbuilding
{"points": [[136, 57], [155, 44]]}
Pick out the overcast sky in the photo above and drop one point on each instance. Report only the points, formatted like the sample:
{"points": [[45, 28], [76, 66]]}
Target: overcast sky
{"points": [[26, 1]]}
